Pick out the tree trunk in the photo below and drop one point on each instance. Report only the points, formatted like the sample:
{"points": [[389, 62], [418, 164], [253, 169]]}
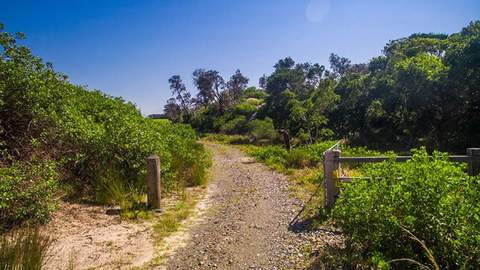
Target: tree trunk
{"points": [[286, 138]]}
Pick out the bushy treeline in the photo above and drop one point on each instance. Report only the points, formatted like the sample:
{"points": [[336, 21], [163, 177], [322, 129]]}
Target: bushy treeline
{"points": [[55, 134], [422, 91], [221, 107]]}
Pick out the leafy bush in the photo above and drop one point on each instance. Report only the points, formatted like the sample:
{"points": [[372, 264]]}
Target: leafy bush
{"points": [[431, 198], [245, 108], [360, 151], [315, 151], [254, 101], [235, 126], [272, 155], [253, 92], [297, 158], [262, 130], [88, 136], [26, 192]]}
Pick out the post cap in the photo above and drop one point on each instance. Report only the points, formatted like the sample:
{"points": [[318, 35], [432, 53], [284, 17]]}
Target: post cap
{"points": [[153, 157]]}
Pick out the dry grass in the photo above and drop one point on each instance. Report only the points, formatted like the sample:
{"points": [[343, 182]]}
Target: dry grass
{"points": [[24, 249]]}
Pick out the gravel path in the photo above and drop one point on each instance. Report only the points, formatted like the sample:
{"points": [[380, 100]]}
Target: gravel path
{"points": [[246, 224]]}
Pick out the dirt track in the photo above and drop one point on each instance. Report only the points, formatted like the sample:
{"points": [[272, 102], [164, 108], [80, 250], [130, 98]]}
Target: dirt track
{"points": [[242, 222], [246, 225]]}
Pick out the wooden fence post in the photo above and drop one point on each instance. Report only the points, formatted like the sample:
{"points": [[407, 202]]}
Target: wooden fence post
{"points": [[153, 182], [330, 164], [473, 161]]}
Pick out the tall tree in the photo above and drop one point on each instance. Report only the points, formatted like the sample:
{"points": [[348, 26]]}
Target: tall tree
{"points": [[339, 65], [300, 96], [210, 86], [236, 85], [182, 96], [262, 82], [172, 110]]}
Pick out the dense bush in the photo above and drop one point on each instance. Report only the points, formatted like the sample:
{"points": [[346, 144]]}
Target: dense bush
{"points": [[27, 190], [272, 155], [89, 136], [299, 157], [431, 198], [236, 125], [245, 108], [262, 130]]}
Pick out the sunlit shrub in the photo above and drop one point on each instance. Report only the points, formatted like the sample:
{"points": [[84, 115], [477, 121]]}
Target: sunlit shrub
{"points": [[262, 130], [27, 192], [433, 199], [88, 135], [236, 125]]}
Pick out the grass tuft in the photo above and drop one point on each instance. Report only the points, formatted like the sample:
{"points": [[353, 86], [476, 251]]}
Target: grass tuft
{"points": [[25, 249]]}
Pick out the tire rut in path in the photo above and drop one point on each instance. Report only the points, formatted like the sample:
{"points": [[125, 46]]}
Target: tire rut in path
{"points": [[246, 225]]}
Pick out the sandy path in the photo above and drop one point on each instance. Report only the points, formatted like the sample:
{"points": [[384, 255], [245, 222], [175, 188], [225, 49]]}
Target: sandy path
{"points": [[240, 223], [246, 224]]}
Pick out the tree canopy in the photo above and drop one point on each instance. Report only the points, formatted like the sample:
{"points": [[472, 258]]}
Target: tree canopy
{"points": [[423, 90]]}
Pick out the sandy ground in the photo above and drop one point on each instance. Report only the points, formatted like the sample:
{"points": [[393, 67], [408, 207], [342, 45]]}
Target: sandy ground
{"points": [[240, 222], [87, 237]]}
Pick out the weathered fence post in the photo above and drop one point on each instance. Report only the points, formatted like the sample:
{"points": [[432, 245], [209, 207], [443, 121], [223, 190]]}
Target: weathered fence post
{"points": [[153, 182], [330, 164], [473, 161]]}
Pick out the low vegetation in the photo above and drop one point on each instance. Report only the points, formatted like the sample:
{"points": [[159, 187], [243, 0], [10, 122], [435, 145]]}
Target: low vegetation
{"points": [[62, 140], [27, 249], [431, 199]]}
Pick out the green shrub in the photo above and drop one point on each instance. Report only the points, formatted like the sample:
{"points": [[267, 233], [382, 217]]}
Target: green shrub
{"points": [[271, 155], [253, 92], [431, 198], [262, 130], [27, 192], [235, 126], [315, 151], [245, 109], [297, 158], [360, 151], [89, 135], [26, 249], [254, 101]]}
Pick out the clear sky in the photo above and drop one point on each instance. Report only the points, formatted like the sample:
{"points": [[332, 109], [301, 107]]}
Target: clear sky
{"points": [[130, 48]]}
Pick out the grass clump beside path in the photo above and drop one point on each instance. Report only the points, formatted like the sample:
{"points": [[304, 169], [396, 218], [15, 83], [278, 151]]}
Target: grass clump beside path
{"points": [[25, 249]]}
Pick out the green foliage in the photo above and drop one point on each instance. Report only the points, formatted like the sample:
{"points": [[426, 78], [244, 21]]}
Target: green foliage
{"points": [[25, 249], [254, 101], [236, 125], [297, 158], [262, 130], [433, 199], [315, 151], [255, 93], [131, 198], [299, 98], [419, 93], [88, 135], [271, 155], [245, 109], [27, 192]]}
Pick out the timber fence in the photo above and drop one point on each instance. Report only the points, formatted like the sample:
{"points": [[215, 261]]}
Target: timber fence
{"points": [[332, 160]]}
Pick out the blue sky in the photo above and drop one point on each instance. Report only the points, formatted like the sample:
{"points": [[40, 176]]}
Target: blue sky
{"points": [[130, 48]]}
